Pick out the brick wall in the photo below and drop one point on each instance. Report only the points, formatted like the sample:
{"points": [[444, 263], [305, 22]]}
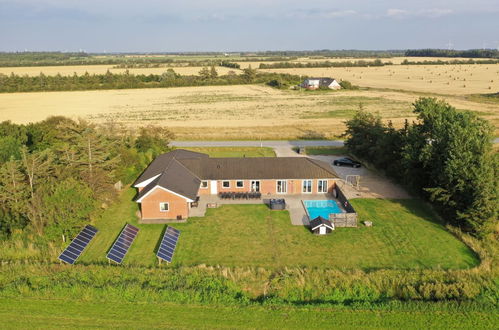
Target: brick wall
{"points": [[150, 205]]}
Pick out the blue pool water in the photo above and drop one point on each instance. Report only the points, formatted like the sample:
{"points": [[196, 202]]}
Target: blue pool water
{"points": [[321, 208]]}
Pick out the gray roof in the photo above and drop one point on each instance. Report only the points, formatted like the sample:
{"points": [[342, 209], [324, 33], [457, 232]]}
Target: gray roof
{"points": [[160, 163], [181, 171], [177, 179], [319, 221], [259, 168]]}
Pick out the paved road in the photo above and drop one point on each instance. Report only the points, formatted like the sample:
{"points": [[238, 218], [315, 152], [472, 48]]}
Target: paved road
{"points": [[270, 144]]}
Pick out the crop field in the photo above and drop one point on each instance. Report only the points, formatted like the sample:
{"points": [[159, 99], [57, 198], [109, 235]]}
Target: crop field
{"points": [[439, 79], [225, 112], [394, 60], [101, 69]]}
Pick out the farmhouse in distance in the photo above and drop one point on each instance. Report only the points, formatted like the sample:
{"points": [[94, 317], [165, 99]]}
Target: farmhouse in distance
{"points": [[173, 183], [316, 83]]}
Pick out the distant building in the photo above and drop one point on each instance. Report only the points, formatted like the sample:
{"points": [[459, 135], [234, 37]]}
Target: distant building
{"points": [[316, 83]]}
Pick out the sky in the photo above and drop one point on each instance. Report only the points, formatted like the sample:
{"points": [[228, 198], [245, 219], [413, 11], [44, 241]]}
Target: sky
{"points": [[246, 25]]}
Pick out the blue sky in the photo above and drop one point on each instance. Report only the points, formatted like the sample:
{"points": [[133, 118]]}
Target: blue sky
{"points": [[237, 25]]}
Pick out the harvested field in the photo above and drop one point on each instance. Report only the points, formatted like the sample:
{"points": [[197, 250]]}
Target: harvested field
{"points": [[440, 79], [394, 60], [101, 69], [224, 112]]}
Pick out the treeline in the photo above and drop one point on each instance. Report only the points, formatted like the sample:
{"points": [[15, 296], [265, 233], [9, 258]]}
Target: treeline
{"points": [[15, 83], [228, 64], [325, 64], [57, 174], [471, 53], [446, 157], [336, 53], [451, 62]]}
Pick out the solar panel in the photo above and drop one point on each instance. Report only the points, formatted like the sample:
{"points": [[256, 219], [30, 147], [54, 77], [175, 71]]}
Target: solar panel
{"points": [[78, 244], [168, 244], [122, 243]]}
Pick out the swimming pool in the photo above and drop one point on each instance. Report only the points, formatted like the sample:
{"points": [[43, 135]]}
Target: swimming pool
{"points": [[321, 208]]}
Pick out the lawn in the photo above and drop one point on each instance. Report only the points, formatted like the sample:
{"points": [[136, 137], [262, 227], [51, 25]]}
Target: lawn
{"points": [[235, 151], [405, 235], [56, 313], [326, 151]]}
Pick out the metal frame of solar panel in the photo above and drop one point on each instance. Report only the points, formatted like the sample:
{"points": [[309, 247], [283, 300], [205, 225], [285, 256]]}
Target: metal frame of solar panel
{"points": [[78, 244], [168, 244], [122, 244]]}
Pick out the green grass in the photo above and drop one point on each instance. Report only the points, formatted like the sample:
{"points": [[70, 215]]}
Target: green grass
{"points": [[234, 151], [55, 313], [326, 151], [405, 235]]}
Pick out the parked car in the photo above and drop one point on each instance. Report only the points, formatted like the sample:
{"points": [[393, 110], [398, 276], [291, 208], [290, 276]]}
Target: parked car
{"points": [[346, 162]]}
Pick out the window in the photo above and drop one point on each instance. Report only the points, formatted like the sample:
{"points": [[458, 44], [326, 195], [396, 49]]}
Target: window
{"points": [[240, 184], [204, 184], [307, 186], [226, 184], [282, 186], [164, 207], [322, 186]]}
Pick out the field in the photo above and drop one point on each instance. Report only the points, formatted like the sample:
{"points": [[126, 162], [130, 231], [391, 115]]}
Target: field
{"points": [[69, 70], [235, 152], [226, 112], [65, 313], [441, 79], [394, 60], [405, 236]]}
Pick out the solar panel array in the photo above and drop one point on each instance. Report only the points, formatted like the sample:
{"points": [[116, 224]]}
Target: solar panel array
{"points": [[168, 244], [122, 243], [78, 244]]}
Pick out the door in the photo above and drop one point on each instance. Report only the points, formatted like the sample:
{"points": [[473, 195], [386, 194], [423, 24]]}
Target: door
{"points": [[213, 187], [255, 186], [322, 231]]}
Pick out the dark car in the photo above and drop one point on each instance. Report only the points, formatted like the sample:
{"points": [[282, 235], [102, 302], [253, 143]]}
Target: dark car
{"points": [[346, 162]]}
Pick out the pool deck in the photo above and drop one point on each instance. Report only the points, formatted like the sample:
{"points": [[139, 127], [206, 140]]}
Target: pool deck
{"points": [[294, 205]]}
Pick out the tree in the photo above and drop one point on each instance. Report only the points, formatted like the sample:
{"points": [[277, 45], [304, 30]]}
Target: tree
{"points": [[153, 138], [205, 73], [9, 147], [446, 156], [249, 74], [213, 72], [68, 208]]}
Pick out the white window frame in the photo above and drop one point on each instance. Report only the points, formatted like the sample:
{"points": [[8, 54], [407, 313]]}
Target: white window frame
{"points": [[325, 186], [204, 182], [259, 185], [237, 183], [303, 186], [223, 184], [285, 186], [167, 206]]}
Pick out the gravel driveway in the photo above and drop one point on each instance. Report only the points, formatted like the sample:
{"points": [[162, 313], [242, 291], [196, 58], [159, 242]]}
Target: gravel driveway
{"points": [[372, 185]]}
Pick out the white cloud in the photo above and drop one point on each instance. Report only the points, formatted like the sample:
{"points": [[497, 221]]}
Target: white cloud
{"points": [[339, 13], [428, 13], [393, 12]]}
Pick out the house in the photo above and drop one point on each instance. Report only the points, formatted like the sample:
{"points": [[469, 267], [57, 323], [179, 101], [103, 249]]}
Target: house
{"points": [[315, 83], [321, 226], [174, 181]]}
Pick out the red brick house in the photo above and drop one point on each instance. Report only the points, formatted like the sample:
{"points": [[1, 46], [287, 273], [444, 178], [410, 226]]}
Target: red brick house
{"points": [[175, 180]]}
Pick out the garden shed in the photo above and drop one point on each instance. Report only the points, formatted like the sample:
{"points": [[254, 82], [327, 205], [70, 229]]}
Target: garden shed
{"points": [[321, 226]]}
